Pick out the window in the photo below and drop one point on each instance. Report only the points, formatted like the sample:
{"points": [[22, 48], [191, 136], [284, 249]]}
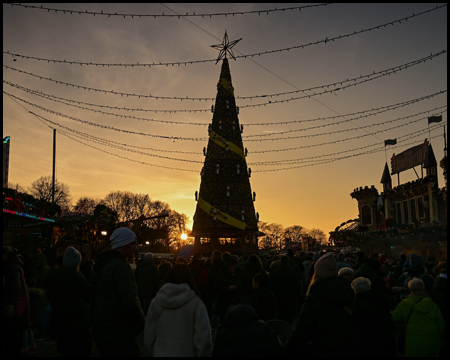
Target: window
{"points": [[405, 213], [366, 215], [412, 207], [398, 213], [421, 207], [228, 241], [205, 240]]}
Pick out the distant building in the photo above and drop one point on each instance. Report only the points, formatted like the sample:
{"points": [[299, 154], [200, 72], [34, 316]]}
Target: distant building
{"points": [[411, 216]]}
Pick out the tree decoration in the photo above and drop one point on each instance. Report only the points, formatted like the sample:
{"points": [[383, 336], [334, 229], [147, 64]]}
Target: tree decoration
{"points": [[225, 48]]}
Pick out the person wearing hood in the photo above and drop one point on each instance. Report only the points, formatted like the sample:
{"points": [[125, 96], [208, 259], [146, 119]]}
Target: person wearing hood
{"points": [[325, 321], [424, 322], [373, 320], [177, 322], [68, 293], [417, 269], [243, 334], [117, 316], [371, 269]]}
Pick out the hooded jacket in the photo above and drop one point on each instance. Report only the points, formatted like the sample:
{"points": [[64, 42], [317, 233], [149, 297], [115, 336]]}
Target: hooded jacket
{"points": [[373, 320], [177, 323], [425, 326], [326, 321], [115, 309], [243, 334]]}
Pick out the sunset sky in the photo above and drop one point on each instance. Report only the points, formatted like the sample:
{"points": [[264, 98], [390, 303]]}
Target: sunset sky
{"points": [[334, 146]]}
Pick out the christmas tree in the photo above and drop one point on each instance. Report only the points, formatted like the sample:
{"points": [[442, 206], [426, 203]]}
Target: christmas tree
{"points": [[225, 215]]}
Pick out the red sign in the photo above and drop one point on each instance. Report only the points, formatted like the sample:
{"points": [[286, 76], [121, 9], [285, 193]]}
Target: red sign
{"points": [[409, 158]]}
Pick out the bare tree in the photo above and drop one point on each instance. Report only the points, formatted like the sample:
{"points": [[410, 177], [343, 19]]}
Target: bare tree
{"points": [[295, 233], [274, 235], [17, 187], [86, 205], [316, 237], [42, 189]]}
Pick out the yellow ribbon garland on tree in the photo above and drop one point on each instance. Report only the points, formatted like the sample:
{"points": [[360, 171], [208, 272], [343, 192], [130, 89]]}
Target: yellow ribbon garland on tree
{"points": [[223, 143], [226, 85], [227, 219]]}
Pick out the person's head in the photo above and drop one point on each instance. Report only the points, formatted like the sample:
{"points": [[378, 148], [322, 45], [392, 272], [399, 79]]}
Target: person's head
{"points": [[181, 274], [230, 262], [72, 258], [416, 260], [346, 273], [326, 266], [340, 257], [416, 286], [361, 284], [148, 256], [124, 240], [285, 260], [254, 259], [260, 280]]}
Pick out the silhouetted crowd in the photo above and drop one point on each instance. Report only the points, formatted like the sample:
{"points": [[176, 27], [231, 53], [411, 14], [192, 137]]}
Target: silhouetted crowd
{"points": [[308, 304]]}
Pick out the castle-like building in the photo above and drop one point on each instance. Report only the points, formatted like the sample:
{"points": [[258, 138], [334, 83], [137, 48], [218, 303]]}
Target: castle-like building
{"points": [[410, 216]]}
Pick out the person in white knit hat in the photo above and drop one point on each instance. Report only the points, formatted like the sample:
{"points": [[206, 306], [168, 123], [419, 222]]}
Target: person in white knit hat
{"points": [[72, 257], [117, 316]]}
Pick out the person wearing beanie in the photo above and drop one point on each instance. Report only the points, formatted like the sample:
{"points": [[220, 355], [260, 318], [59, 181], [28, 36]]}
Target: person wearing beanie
{"points": [[325, 318], [72, 257], [326, 266], [116, 312], [418, 270], [68, 294]]}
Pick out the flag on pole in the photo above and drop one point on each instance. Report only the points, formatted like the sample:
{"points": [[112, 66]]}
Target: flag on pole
{"points": [[390, 142], [434, 119]]}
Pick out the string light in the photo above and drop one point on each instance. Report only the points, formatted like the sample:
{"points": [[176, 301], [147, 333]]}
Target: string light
{"points": [[326, 40], [356, 81], [104, 126], [338, 123], [340, 158], [382, 148], [124, 15], [336, 141], [324, 161], [203, 139], [172, 122]]}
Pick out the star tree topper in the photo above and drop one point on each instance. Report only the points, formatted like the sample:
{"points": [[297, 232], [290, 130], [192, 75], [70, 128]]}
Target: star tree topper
{"points": [[225, 47]]}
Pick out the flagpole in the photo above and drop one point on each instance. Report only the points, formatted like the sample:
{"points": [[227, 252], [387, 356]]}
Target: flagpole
{"points": [[445, 143]]}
